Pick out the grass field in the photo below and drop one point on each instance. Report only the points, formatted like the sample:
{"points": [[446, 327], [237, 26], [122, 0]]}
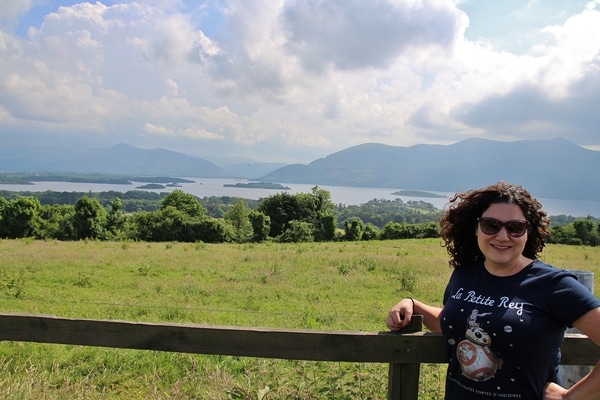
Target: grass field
{"points": [[325, 286]]}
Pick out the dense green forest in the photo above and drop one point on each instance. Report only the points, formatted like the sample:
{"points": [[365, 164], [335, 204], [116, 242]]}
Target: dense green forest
{"points": [[176, 216]]}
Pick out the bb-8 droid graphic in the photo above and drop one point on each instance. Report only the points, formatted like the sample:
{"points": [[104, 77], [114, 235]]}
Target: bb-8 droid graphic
{"points": [[477, 361]]}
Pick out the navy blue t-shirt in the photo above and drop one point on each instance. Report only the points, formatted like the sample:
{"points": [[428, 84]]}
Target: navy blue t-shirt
{"points": [[504, 333]]}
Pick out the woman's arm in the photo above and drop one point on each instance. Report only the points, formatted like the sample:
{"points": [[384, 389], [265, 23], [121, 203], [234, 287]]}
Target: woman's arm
{"points": [[400, 315], [587, 388]]}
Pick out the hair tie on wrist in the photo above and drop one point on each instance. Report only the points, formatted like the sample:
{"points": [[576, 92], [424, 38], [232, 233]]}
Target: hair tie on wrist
{"points": [[413, 302]]}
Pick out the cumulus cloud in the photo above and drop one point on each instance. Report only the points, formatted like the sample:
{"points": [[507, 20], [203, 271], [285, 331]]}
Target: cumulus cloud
{"points": [[11, 10], [354, 34], [557, 96], [292, 80]]}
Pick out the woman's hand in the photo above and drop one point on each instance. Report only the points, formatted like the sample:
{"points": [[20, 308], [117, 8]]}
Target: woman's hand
{"points": [[552, 391], [400, 315]]}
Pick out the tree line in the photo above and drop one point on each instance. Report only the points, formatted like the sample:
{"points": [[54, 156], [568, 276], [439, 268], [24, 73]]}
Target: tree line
{"points": [[182, 217]]}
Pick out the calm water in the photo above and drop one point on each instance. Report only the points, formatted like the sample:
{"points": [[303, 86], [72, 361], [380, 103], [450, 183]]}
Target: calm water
{"points": [[206, 187]]}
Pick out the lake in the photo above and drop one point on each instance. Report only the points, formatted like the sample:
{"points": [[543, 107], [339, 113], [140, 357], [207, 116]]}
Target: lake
{"points": [[348, 195]]}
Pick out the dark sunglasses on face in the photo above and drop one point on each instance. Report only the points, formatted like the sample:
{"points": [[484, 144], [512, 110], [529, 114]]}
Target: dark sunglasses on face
{"points": [[491, 226]]}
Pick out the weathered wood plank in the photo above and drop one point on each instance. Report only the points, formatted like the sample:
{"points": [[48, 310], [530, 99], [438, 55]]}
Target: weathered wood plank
{"points": [[379, 347], [578, 349], [236, 341]]}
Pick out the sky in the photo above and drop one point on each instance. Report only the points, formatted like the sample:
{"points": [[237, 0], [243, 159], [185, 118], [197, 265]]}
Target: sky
{"points": [[296, 80]]}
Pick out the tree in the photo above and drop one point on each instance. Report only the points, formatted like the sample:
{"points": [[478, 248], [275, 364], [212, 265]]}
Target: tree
{"points": [[146, 225], [323, 201], [260, 226], [394, 230], [175, 225], [19, 217], [281, 209], [56, 222], [213, 230], [299, 231], [305, 207], [3, 203], [115, 220], [354, 227], [326, 226], [89, 219], [585, 229], [370, 232], [184, 202], [429, 230], [237, 216], [177, 220], [166, 225]]}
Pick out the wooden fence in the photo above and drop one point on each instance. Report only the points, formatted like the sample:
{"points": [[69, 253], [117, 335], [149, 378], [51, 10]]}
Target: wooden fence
{"points": [[404, 352]]}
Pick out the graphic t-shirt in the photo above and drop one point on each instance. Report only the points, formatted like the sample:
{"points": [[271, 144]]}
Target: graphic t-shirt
{"points": [[504, 333]]}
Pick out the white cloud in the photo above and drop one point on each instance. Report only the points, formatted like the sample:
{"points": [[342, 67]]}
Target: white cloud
{"points": [[158, 130], [354, 34], [576, 51], [553, 90], [11, 10], [201, 133], [294, 78]]}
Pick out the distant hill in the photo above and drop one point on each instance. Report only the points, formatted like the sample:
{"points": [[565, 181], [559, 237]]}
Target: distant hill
{"points": [[554, 168], [126, 159], [34, 158], [123, 159]]}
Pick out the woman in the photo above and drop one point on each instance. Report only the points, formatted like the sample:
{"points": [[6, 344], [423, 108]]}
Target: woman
{"points": [[505, 312]]}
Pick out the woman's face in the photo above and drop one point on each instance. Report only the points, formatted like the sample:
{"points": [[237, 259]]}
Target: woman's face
{"points": [[502, 251]]}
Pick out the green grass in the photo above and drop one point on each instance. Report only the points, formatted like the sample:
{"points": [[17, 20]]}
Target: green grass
{"points": [[327, 286]]}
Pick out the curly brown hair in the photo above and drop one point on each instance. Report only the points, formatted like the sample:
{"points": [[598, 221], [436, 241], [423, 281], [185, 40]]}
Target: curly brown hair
{"points": [[459, 222]]}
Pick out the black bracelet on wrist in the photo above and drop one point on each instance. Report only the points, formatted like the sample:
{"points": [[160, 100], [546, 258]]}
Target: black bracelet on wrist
{"points": [[413, 302]]}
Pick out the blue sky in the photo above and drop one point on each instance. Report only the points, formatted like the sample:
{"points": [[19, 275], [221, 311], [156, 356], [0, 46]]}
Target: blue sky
{"points": [[296, 80]]}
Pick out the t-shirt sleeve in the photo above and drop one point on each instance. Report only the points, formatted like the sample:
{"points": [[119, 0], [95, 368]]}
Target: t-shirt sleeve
{"points": [[570, 299]]}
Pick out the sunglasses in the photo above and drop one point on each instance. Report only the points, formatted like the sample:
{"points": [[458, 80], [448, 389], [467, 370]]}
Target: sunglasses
{"points": [[491, 226]]}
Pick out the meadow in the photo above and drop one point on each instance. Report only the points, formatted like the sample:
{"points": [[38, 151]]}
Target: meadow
{"points": [[323, 286]]}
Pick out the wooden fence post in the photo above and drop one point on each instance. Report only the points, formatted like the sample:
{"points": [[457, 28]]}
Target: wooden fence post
{"points": [[571, 374], [403, 381], [403, 378]]}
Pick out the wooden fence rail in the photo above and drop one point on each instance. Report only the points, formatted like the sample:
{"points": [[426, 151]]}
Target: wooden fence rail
{"points": [[404, 352]]}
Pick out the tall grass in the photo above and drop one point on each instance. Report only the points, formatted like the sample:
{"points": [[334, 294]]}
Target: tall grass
{"points": [[326, 286]]}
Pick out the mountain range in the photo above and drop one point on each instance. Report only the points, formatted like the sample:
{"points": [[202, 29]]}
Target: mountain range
{"points": [[123, 159], [552, 168]]}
